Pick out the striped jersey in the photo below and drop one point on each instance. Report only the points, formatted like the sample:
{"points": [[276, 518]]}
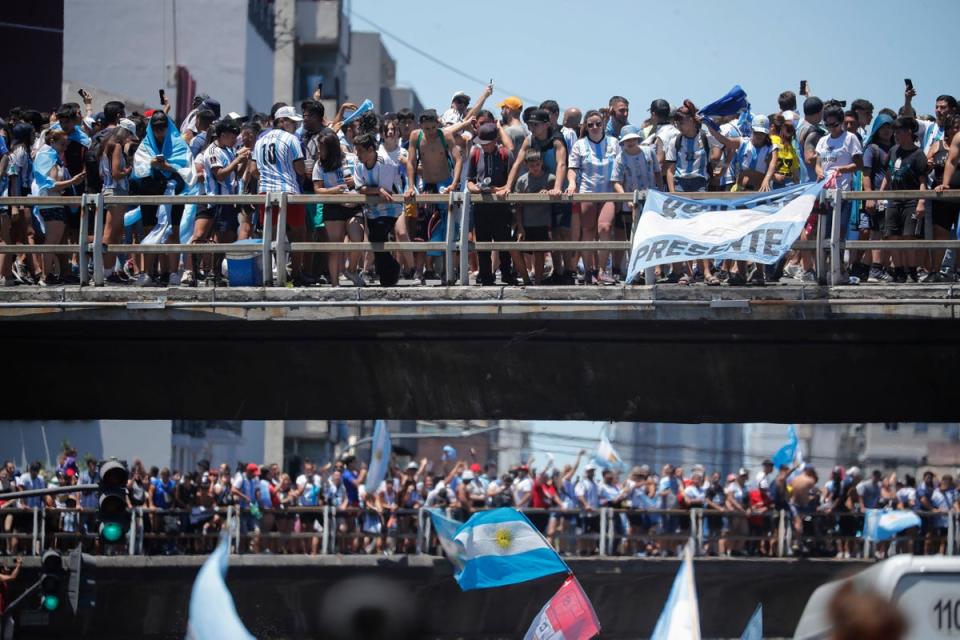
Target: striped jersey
{"points": [[217, 157], [636, 172], [692, 158], [385, 174], [329, 179], [106, 173], [593, 162], [755, 159], [275, 153]]}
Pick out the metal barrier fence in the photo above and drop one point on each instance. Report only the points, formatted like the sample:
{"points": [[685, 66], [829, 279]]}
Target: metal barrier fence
{"points": [[606, 532], [459, 206]]}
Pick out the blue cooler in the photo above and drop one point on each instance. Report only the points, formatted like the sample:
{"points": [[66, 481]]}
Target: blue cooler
{"points": [[245, 269]]}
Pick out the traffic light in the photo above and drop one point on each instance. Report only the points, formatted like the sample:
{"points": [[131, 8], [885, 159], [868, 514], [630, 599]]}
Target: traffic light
{"points": [[53, 578], [112, 510], [81, 581]]}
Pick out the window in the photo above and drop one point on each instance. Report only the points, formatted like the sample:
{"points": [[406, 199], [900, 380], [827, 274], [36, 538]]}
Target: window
{"points": [[891, 426], [919, 428]]}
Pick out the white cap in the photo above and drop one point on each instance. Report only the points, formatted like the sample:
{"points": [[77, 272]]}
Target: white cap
{"points": [[126, 123], [791, 117], [289, 113], [630, 136], [760, 124], [233, 115], [590, 467], [467, 475]]}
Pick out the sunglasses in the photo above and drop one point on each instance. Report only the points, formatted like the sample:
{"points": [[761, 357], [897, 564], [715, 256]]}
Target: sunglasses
{"points": [[832, 124], [594, 125]]}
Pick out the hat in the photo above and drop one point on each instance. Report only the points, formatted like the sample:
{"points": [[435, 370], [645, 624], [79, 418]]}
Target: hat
{"points": [[212, 104], [630, 128], [100, 117], [198, 99], [467, 475], [742, 472], [253, 468], [487, 133], [660, 107], [461, 95], [90, 122], [854, 471], [128, 124], [539, 115], [590, 467], [790, 116], [475, 467], [233, 115], [523, 467], [812, 105], [412, 466], [760, 124], [286, 112], [149, 113], [629, 136], [512, 102]]}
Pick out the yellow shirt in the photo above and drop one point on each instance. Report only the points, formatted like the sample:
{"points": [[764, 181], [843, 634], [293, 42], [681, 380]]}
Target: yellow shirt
{"points": [[788, 163]]}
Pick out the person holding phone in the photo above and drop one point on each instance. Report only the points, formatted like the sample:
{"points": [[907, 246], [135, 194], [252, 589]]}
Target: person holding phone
{"points": [[51, 177]]}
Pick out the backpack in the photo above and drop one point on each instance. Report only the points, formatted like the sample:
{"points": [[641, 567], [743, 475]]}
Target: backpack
{"points": [[477, 160]]}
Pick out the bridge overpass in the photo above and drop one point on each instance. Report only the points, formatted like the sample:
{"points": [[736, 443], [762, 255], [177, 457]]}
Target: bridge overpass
{"points": [[669, 353]]}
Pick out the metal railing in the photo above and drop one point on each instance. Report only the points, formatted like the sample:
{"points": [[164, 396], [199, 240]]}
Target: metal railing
{"points": [[607, 531], [458, 209]]}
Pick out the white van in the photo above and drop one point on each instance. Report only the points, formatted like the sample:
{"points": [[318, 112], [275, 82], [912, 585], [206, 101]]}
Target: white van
{"points": [[926, 589]]}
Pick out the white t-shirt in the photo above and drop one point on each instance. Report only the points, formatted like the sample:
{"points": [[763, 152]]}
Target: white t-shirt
{"points": [[594, 163], [839, 151], [588, 490], [385, 174], [521, 489]]}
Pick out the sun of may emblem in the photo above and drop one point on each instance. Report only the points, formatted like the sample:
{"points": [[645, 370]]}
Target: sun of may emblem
{"points": [[504, 538], [378, 455]]}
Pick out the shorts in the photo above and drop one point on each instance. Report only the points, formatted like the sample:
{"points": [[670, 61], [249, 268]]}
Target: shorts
{"points": [[54, 214], [116, 191], [871, 222], [690, 184], [226, 218], [296, 215], [624, 220], [900, 219], [591, 523], [945, 214], [338, 212], [536, 234], [561, 215]]}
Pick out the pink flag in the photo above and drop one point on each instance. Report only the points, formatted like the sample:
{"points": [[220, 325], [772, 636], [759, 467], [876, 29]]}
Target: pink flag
{"points": [[567, 616]]}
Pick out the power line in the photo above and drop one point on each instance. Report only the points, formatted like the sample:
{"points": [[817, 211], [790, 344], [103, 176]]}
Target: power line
{"points": [[435, 59]]}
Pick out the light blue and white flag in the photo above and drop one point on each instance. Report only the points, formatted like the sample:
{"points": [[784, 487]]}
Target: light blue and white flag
{"points": [[754, 628], [366, 105], [446, 530], [606, 456], [759, 227], [789, 454], [212, 612], [379, 457], [883, 525], [680, 618], [502, 547]]}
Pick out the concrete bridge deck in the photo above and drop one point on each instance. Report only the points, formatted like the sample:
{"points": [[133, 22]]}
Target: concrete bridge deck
{"points": [[663, 353]]}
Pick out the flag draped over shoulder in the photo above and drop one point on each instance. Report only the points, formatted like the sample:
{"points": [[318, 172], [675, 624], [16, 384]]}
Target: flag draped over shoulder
{"points": [[883, 525], [212, 612], [379, 457], [680, 618], [45, 160], [568, 615], [177, 154], [502, 547], [754, 628], [446, 530]]}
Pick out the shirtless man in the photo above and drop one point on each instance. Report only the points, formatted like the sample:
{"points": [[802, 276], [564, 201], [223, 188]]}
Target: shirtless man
{"points": [[438, 158], [803, 490]]}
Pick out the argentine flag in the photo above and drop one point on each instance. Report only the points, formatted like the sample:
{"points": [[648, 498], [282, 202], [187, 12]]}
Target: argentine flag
{"points": [[680, 618], [502, 547], [379, 457], [212, 612], [754, 628], [446, 530], [883, 525], [606, 456], [789, 454]]}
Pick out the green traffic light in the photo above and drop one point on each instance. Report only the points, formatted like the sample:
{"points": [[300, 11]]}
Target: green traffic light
{"points": [[112, 532], [51, 602]]}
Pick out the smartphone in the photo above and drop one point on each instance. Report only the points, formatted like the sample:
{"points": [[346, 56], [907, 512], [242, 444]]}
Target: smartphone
{"points": [[163, 96], [803, 87], [83, 94], [908, 82], [320, 88], [159, 157]]}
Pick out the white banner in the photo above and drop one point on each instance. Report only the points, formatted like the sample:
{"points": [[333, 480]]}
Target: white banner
{"points": [[760, 227]]}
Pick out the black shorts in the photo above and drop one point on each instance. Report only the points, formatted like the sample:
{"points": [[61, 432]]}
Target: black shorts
{"points": [[226, 219], [55, 214], [338, 212], [624, 220], [536, 234], [900, 219], [591, 523], [561, 214], [945, 214], [208, 213]]}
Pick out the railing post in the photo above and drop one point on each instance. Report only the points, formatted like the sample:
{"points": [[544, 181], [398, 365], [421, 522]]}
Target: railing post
{"points": [[836, 239], [98, 222], [781, 534], [951, 530], [428, 530], [132, 536], [821, 257], [281, 251], [82, 263], [228, 524], [699, 530], [603, 532], [324, 543], [43, 529], [466, 211], [451, 240], [267, 240], [33, 542]]}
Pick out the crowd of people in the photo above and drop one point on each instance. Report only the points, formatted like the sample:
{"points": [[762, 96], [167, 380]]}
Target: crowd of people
{"points": [[539, 148], [650, 513]]}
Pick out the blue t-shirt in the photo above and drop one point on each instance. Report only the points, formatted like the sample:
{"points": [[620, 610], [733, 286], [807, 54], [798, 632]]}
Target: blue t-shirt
{"points": [[350, 484], [163, 493]]}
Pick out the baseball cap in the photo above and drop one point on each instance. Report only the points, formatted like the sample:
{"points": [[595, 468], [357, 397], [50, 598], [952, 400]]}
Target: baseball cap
{"points": [[660, 107], [475, 467], [412, 466], [212, 104], [760, 124], [539, 115], [790, 116], [461, 95], [812, 105], [512, 102], [253, 468], [590, 467], [487, 133], [467, 475], [742, 472], [630, 136], [128, 124], [90, 122], [289, 113]]}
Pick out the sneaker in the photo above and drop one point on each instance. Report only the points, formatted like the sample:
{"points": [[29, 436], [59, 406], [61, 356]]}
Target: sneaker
{"points": [[130, 270], [187, 280], [70, 278], [808, 276], [931, 277], [606, 278], [736, 280], [948, 275], [793, 270], [49, 280], [163, 280], [589, 276], [302, 280], [428, 275], [174, 280], [883, 276], [144, 280], [356, 278], [115, 277], [9, 281], [569, 278]]}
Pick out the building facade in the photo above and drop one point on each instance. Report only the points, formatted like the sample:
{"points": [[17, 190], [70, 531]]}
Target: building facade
{"points": [[372, 73]]}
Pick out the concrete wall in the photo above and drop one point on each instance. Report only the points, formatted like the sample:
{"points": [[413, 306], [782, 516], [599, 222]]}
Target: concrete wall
{"points": [[365, 77], [133, 47], [318, 22]]}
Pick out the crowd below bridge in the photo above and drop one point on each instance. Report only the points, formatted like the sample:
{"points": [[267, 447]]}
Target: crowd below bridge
{"points": [[73, 149], [582, 509]]}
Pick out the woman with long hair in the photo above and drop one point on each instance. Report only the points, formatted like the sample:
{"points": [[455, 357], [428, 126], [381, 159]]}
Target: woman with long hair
{"points": [[51, 177], [330, 177], [115, 177]]}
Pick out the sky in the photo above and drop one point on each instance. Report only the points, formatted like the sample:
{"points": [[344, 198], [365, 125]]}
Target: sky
{"points": [[580, 54]]}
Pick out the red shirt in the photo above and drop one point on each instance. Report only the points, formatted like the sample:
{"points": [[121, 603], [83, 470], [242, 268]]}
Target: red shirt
{"points": [[542, 496], [759, 499]]}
